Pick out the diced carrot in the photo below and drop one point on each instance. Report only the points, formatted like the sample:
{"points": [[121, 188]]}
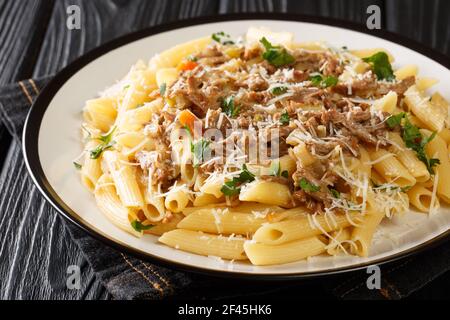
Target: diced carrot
{"points": [[187, 65], [188, 119]]}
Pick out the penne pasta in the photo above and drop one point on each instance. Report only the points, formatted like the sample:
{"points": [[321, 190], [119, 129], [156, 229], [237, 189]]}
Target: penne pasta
{"points": [[261, 254], [205, 244]]}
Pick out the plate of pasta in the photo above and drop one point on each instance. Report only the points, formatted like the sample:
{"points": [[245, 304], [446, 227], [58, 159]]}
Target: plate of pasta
{"points": [[262, 147]]}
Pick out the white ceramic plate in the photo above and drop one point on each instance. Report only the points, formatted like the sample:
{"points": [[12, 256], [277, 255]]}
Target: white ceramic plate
{"points": [[51, 142]]}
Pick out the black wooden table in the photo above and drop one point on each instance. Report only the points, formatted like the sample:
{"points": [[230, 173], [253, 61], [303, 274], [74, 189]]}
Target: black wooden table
{"points": [[34, 41]]}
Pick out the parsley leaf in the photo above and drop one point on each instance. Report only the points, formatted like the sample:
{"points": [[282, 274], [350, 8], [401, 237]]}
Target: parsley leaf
{"points": [[316, 80], [97, 151], [229, 108], [414, 140], [230, 188], [246, 175], [107, 143], [319, 81], [395, 120], [308, 186], [278, 90], [335, 193], [162, 89], [329, 81], [276, 55], [139, 227], [222, 38], [285, 174], [77, 165], [107, 137], [233, 187], [284, 118], [381, 66], [199, 150]]}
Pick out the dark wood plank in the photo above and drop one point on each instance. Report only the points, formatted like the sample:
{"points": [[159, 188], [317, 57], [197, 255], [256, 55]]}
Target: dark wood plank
{"points": [[351, 10], [36, 248], [22, 26], [424, 21], [18, 53], [105, 20]]}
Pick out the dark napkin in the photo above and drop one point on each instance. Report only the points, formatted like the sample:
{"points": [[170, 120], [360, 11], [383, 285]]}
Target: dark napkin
{"points": [[126, 277]]}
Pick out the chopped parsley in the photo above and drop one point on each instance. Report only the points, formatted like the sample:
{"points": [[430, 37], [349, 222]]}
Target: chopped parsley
{"points": [[77, 165], [139, 227], [278, 90], [126, 87], [308, 186], [414, 140], [381, 66], [233, 187], [285, 174], [324, 82], [336, 194], [284, 118], [199, 150], [276, 55], [162, 89], [395, 120], [106, 144], [222, 38], [229, 108]]}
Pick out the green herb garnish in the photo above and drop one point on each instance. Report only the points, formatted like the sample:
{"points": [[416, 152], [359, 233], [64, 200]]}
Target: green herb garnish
{"points": [[276, 55], [319, 81], [233, 187], [107, 143], [381, 66], [229, 108], [415, 141], [285, 174], [222, 38], [395, 120], [278, 90], [308, 186], [77, 165], [139, 227], [336, 194], [284, 118], [199, 150]]}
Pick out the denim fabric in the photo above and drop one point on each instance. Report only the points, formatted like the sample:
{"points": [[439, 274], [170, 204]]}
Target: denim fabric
{"points": [[128, 278]]}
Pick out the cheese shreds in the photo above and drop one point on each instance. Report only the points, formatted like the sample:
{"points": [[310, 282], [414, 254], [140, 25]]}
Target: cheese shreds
{"points": [[433, 204]]}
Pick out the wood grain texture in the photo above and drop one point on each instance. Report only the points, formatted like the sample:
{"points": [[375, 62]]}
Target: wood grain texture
{"points": [[35, 249], [424, 21], [18, 53]]}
